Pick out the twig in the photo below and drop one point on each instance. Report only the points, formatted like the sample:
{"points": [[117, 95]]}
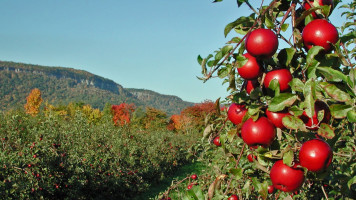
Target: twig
{"points": [[239, 158], [250, 6], [326, 196]]}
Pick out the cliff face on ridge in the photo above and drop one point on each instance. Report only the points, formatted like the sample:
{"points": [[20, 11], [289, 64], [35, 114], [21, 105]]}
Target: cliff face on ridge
{"points": [[61, 85]]}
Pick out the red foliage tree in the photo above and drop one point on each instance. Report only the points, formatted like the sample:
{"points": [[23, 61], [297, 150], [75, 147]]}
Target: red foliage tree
{"points": [[122, 113]]}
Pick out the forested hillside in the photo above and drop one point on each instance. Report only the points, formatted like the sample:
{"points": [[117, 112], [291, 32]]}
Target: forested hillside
{"points": [[61, 85]]}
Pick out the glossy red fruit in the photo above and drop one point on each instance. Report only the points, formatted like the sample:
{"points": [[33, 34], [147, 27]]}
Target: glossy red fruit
{"points": [[285, 178], [233, 197], [313, 123], [217, 141], [315, 155], [261, 43], [251, 70], [276, 117], [190, 186], [194, 176], [258, 133], [320, 32], [251, 157], [236, 113], [270, 189], [283, 77], [321, 3], [251, 85]]}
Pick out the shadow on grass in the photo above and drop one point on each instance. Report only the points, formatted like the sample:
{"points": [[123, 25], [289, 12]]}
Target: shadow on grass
{"points": [[184, 171]]}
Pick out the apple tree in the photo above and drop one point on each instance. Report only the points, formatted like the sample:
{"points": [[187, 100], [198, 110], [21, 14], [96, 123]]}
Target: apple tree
{"points": [[289, 130]]}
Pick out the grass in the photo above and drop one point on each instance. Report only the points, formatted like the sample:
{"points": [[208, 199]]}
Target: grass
{"points": [[181, 173]]}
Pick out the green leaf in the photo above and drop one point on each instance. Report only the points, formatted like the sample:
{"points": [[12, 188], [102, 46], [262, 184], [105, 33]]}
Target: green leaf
{"points": [[240, 22], [274, 85], [351, 116], [334, 92], [293, 122], [268, 22], [326, 131], [297, 85], [241, 60], [309, 104], [223, 72], [288, 158], [332, 75], [200, 59], [236, 172], [285, 56], [284, 27], [348, 36], [313, 52], [339, 111], [282, 101]]}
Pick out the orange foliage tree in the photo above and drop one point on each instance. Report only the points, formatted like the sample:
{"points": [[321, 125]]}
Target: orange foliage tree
{"points": [[122, 113], [193, 116], [34, 101]]}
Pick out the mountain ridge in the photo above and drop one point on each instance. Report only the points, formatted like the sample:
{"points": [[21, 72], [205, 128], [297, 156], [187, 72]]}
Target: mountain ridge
{"points": [[61, 85]]}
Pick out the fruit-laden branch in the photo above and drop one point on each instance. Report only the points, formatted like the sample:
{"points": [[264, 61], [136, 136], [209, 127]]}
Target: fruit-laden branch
{"points": [[213, 70]]}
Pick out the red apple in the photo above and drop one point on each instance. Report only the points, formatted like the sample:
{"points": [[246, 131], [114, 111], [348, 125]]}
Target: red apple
{"points": [[260, 132], [233, 197], [236, 113], [276, 117], [283, 77], [261, 43], [320, 32], [190, 186], [285, 178], [251, 157], [217, 141], [251, 70], [315, 155], [251, 85], [270, 189], [313, 123], [321, 3]]}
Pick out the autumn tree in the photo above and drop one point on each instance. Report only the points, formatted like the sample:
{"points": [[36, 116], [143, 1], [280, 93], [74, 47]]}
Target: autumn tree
{"points": [[34, 101], [122, 113]]}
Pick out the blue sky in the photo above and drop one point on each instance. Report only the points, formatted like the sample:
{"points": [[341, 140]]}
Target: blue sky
{"points": [[138, 44]]}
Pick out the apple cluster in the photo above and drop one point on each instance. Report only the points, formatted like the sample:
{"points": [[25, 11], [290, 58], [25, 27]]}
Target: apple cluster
{"points": [[261, 44]]}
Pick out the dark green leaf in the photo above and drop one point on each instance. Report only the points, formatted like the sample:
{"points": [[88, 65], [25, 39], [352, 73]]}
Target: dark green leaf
{"points": [[312, 53], [242, 22], [332, 75], [282, 101], [347, 37], [339, 111], [292, 122], [285, 56]]}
